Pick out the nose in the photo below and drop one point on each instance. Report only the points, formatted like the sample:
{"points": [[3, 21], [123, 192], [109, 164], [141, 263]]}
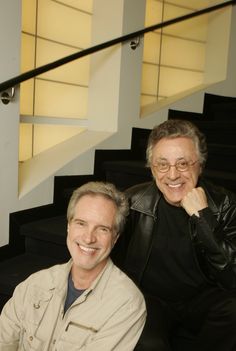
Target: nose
{"points": [[173, 173], [89, 236]]}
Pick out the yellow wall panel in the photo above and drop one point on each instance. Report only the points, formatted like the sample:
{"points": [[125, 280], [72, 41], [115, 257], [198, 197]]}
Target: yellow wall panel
{"points": [[195, 28], [173, 81], [151, 50], [25, 141], [182, 53], [193, 4], [27, 97], [85, 5], [146, 99], [76, 72], [60, 100], [149, 79], [29, 16], [27, 52], [63, 24], [47, 136], [153, 12], [177, 51]]}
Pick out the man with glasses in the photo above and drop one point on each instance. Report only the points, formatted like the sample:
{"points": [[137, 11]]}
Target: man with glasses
{"points": [[181, 246]]}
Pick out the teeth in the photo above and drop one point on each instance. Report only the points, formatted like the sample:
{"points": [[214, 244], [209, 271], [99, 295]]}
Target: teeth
{"points": [[174, 185], [87, 249]]}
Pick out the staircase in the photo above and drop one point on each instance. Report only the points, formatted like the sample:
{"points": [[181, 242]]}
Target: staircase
{"points": [[38, 235]]}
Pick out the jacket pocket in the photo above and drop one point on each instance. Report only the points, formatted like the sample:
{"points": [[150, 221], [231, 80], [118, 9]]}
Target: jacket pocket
{"points": [[37, 305], [75, 336]]}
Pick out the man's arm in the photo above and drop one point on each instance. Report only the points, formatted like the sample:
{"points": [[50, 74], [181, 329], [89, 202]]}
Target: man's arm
{"points": [[217, 236], [10, 324]]}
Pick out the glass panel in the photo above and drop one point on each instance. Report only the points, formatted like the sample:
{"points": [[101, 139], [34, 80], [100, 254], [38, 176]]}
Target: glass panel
{"points": [[29, 16], [85, 5], [182, 53], [173, 81], [46, 136], [195, 4], [149, 79], [27, 52], [76, 72], [151, 51], [195, 28], [27, 63], [153, 12], [27, 97], [147, 99], [25, 142], [76, 30], [181, 48], [60, 100]]}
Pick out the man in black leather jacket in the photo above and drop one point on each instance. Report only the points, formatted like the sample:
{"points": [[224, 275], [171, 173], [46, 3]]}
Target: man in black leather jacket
{"points": [[180, 246]]}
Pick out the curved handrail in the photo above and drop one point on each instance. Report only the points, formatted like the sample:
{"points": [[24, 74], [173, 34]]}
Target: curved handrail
{"points": [[42, 69]]}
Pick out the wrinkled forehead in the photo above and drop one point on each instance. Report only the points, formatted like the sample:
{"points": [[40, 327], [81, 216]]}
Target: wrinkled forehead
{"points": [[175, 148]]}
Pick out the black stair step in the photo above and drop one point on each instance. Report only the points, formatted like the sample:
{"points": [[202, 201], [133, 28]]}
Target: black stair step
{"points": [[139, 143], [222, 157], [64, 187], [218, 132], [126, 173], [46, 237], [219, 108], [224, 179], [16, 269], [189, 116]]}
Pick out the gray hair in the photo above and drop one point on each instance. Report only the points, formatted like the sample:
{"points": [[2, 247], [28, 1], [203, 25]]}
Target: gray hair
{"points": [[106, 190], [174, 128]]}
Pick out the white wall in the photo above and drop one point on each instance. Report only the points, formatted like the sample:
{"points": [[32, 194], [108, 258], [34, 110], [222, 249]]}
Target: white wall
{"points": [[114, 97], [9, 114]]}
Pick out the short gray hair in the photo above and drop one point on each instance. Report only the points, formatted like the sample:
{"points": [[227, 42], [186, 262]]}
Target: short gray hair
{"points": [[174, 128], [106, 190]]}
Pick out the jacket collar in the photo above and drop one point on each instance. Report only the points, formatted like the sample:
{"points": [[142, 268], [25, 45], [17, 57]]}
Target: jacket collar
{"points": [[61, 276], [100, 283], [147, 199]]}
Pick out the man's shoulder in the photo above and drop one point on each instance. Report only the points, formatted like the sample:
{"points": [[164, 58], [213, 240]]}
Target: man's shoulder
{"points": [[217, 194], [120, 282], [142, 189], [47, 277], [144, 197]]}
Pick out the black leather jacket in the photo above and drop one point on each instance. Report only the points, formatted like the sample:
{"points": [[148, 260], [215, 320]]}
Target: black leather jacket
{"points": [[213, 234]]}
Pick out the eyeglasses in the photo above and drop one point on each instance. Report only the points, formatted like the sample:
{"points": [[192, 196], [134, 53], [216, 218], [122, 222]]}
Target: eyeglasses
{"points": [[180, 165]]}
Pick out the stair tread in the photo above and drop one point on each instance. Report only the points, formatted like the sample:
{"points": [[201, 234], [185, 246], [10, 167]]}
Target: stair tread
{"points": [[220, 174], [18, 268], [53, 229], [130, 166]]}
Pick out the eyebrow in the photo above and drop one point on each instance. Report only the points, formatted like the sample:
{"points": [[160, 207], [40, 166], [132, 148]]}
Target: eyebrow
{"points": [[165, 159], [98, 225]]}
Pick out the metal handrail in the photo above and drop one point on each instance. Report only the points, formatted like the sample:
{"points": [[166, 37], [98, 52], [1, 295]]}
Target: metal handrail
{"points": [[45, 68]]}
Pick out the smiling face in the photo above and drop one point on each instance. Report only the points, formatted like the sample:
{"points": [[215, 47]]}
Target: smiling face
{"points": [[91, 235], [174, 184]]}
